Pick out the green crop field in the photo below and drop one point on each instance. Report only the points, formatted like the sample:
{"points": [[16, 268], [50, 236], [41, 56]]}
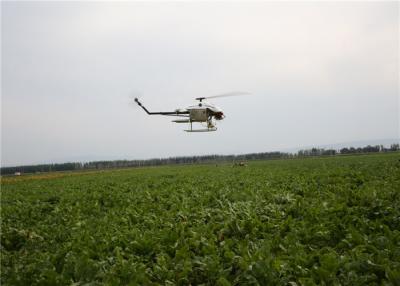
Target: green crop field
{"points": [[329, 221]]}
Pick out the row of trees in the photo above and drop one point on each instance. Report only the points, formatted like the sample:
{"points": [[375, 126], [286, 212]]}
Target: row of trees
{"points": [[351, 150], [193, 159]]}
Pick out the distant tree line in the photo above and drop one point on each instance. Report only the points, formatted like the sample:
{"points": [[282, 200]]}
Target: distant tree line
{"points": [[194, 159], [350, 150]]}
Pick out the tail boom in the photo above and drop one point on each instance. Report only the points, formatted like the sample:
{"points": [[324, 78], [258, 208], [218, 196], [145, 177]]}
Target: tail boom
{"points": [[160, 113]]}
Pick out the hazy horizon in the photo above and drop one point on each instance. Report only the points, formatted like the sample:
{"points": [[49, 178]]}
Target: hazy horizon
{"points": [[336, 146], [320, 73]]}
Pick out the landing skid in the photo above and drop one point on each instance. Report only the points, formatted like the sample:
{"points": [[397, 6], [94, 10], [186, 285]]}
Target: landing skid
{"points": [[202, 130], [210, 127]]}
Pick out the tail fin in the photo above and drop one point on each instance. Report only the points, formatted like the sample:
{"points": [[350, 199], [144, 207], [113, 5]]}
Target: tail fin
{"points": [[144, 108]]}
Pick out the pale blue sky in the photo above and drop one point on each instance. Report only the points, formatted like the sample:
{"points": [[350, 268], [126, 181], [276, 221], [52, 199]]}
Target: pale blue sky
{"points": [[319, 73]]}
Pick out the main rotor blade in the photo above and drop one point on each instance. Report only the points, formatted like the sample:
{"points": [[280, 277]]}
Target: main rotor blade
{"points": [[234, 93]]}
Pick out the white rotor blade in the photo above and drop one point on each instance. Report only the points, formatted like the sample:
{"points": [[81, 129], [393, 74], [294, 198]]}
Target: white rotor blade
{"points": [[234, 93]]}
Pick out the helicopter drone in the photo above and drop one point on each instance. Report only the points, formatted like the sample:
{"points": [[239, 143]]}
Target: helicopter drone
{"points": [[203, 113]]}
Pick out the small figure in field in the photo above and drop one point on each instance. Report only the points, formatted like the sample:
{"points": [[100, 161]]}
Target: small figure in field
{"points": [[240, 164]]}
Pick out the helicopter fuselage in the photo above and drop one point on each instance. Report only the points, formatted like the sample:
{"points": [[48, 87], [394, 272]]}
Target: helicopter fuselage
{"points": [[204, 112]]}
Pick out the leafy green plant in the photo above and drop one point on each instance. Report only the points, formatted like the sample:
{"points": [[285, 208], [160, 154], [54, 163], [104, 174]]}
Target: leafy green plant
{"points": [[311, 221]]}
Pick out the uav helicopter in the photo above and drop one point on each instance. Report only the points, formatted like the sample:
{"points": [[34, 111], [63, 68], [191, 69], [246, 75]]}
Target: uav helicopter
{"points": [[203, 113]]}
